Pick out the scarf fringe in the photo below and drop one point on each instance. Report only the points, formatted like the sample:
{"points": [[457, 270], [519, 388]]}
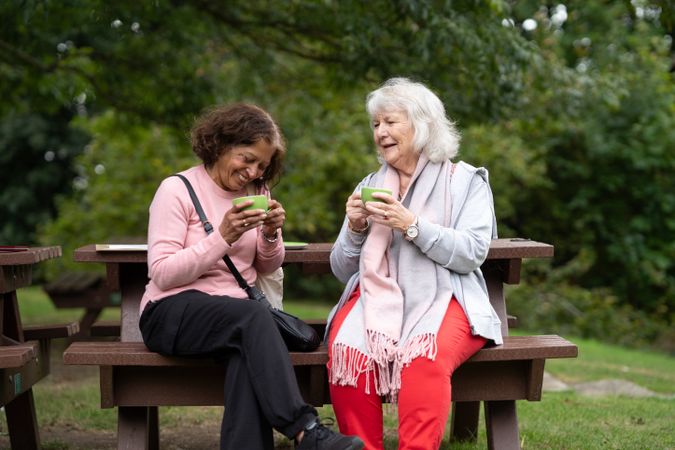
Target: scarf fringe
{"points": [[347, 364], [385, 362], [382, 350]]}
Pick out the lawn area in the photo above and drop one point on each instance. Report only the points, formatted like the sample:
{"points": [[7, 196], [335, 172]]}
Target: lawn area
{"points": [[67, 401]]}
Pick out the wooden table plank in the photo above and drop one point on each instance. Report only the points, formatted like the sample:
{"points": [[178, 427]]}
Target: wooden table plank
{"points": [[506, 248]]}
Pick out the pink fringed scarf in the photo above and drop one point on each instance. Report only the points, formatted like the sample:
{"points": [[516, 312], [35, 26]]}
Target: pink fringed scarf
{"points": [[396, 331]]}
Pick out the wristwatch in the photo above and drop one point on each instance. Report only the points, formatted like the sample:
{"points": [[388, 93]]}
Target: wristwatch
{"points": [[412, 231]]}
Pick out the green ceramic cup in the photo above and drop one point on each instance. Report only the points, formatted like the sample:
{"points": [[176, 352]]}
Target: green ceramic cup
{"points": [[367, 193], [259, 202]]}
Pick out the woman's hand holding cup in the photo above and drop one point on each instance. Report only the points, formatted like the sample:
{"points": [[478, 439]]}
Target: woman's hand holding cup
{"points": [[239, 220], [386, 210], [274, 219], [356, 212]]}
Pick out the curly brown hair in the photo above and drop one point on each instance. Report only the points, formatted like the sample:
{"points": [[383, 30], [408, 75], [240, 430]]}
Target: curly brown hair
{"points": [[221, 128]]}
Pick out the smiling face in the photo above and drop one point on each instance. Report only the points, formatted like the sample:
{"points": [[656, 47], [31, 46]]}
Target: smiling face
{"points": [[393, 135], [241, 165]]}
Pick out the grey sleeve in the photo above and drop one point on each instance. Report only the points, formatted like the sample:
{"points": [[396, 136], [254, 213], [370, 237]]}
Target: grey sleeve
{"points": [[464, 247], [346, 252]]}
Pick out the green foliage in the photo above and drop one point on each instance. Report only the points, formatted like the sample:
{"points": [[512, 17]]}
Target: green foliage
{"points": [[514, 165], [118, 174], [461, 48], [124, 54], [552, 304], [172, 51], [35, 163], [605, 133], [323, 165]]}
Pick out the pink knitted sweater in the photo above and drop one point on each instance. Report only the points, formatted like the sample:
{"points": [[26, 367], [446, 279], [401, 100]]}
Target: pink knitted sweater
{"points": [[182, 256]]}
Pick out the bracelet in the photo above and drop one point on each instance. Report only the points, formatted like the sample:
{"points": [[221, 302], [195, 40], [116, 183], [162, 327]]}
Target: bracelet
{"points": [[358, 230], [272, 239]]}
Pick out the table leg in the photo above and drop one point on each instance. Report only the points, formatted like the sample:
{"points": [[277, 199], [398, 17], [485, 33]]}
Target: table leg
{"points": [[22, 422], [153, 426], [501, 422], [133, 428], [464, 421], [88, 319]]}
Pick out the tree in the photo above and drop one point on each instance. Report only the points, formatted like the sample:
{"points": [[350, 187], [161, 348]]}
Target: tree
{"points": [[562, 103], [605, 133], [159, 63], [36, 161]]}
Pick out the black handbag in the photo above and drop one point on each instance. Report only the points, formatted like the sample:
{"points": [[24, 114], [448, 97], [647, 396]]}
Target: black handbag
{"points": [[298, 335]]}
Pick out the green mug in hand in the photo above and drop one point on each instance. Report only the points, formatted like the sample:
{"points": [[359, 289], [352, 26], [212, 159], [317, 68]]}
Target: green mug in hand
{"points": [[259, 202], [367, 193]]}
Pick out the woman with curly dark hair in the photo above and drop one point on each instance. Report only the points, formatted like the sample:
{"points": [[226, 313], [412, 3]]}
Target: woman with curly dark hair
{"points": [[193, 306]]}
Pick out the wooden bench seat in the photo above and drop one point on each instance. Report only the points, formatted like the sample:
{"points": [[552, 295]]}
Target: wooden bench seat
{"points": [[13, 356], [52, 331], [518, 372], [137, 354]]}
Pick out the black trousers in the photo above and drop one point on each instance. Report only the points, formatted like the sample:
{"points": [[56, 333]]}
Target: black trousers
{"points": [[261, 391]]}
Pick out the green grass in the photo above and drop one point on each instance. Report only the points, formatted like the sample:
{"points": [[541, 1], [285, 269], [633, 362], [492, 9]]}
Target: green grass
{"points": [[598, 361], [571, 421], [562, 420], [37, 309], [307, 309]]}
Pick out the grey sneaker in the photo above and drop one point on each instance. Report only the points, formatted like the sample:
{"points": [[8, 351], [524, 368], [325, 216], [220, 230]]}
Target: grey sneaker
{"points": [[319, 437]]}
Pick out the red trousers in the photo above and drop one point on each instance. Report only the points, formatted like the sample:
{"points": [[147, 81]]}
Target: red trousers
{"points": [[424, 399]]}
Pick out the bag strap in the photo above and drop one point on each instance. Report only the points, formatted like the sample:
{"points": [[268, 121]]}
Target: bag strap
{"points": [[198, 206], [209, 229]]}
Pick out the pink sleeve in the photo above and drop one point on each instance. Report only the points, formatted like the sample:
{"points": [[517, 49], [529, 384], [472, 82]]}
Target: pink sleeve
{"points": [[269, 256], [177, 257]]}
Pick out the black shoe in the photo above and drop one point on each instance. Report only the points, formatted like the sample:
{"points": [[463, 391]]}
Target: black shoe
{"points": [[319, 437]]}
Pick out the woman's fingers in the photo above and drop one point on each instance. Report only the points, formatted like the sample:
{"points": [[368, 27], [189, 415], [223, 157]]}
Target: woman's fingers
{"points": [[393, 215], [239, 220], [384, 198], [253, 218], [276, 215]]}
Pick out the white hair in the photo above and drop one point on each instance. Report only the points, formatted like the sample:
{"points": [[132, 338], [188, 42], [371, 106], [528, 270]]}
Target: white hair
{"points": [[435, 134]]}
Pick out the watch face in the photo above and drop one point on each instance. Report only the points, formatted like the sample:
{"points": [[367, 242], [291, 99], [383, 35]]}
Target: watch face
{"points": [[412, 232]]}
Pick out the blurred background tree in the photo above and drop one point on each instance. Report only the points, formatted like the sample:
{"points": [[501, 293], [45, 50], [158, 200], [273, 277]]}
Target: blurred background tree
{"points": [[571, 106]]}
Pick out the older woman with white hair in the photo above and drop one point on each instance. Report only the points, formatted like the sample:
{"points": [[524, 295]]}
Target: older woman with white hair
{"points": [[415, 305]]}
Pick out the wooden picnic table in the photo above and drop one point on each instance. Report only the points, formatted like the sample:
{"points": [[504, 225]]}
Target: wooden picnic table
{"points": [[127, 366], [22, 363]]}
